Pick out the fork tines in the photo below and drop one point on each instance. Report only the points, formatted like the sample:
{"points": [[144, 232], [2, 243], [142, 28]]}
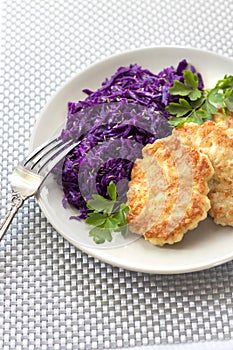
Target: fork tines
{"points": [[46, 156]]}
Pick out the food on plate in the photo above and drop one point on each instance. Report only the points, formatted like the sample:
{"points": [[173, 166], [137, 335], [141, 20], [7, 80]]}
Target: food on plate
{"points": [[215, 139], [225, 121], [121, 117], [197, 104], [168, 191], [106, 215], [133, 113]]}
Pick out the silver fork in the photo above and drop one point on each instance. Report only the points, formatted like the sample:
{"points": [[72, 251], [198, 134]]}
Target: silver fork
{"points": [[28, 177]]}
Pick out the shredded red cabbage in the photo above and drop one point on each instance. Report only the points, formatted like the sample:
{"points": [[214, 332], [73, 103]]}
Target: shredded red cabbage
{"points": [[113, 124]]}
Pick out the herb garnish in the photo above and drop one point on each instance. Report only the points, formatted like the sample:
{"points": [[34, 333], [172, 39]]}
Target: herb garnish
{"points": [[198, 105], [106, 215]]}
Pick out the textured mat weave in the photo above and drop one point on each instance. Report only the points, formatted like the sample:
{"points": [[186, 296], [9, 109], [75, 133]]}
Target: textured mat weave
{"points": [[52, 296]]}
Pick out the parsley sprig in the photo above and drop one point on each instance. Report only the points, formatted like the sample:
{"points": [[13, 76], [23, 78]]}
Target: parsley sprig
{"points": [[106, 215], [198, 105]]}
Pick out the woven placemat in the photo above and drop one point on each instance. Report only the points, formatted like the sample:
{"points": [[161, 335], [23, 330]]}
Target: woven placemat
{"points": [[52, 296]]}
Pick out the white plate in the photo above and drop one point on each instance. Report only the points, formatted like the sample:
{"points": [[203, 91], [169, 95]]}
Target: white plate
{"points": [[207, 246]]}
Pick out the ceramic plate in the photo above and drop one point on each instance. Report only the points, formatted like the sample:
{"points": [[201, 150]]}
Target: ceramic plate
{"points": [[207, 246]]}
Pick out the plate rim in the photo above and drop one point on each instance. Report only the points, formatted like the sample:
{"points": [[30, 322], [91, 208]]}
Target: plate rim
{"points": [[96, 253]]}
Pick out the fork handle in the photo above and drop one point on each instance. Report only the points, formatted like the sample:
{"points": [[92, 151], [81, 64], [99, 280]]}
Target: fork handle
{"points": [[16, 202]]}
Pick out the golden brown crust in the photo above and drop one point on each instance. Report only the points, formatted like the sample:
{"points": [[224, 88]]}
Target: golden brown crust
{"points": [[138, 190], [168, 191], [215, 139], [222, 207]]}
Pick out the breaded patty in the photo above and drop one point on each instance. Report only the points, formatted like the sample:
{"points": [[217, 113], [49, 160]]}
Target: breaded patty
{"points": [[168, 191], [226, 121], [215, 139]]}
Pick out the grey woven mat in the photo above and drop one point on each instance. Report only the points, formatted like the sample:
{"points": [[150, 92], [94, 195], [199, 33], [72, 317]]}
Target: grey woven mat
{"points": [[52, 296]]}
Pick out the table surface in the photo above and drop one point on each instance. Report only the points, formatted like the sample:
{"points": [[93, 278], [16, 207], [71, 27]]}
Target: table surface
{"points": [[53, 296]]}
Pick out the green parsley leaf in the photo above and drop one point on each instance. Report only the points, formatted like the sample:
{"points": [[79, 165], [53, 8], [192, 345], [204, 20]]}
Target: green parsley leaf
{"points": [[179, 109], [106, 216], [209, 107], [229, 102], [215, 96], [178, 122], [124, 230], [198, 116], [225, 83], [198, 106], [198, 103], [111, 223], [96, 219], [100, 204], [100, 235], [121, 214], [194, 95], [112, 191], [179, 89], [188, 88], [190, 79]]}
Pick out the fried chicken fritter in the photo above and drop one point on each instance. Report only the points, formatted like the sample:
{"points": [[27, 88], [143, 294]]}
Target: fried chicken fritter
{"points": [[215, 139], [168, 191]]}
